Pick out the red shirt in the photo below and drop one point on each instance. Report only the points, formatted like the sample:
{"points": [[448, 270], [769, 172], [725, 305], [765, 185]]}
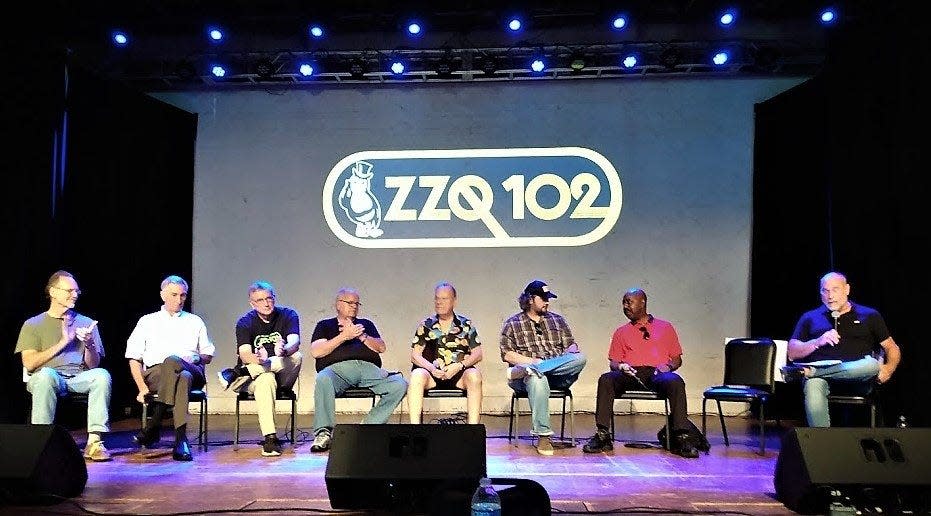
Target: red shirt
{"points": [[628, 344]]}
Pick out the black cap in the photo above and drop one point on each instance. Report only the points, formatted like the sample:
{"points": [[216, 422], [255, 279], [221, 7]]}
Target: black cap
{"points": [[538, 288]]}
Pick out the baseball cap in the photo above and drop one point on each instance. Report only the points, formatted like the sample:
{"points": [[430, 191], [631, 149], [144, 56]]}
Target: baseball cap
{"points": [[539, 288]]}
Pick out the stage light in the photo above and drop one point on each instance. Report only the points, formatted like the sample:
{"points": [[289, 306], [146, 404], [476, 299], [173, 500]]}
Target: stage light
{"points": [[630, 61], [670, 58], [218, 71], [305, 69], [828, 16], [444, 67], [264, 68], [215, 34], [728, 18], [185, 70], [357, 68], [537, 65], [120, 38], [514, 24], [577, 62], [619, 22], [397, 67], [720, 58], [414, 28], [316, 31], [489, 65]]}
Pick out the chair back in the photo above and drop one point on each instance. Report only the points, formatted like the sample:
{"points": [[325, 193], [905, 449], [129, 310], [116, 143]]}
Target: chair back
{"points": [[750, 362]]}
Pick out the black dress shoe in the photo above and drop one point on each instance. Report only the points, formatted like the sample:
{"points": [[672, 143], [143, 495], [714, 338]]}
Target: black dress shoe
{"points": [[147, 438], [182, 452]]}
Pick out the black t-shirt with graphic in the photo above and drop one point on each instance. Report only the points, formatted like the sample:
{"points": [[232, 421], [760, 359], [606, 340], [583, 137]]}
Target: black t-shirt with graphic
{"points": [[353, 349], [253, 331]]}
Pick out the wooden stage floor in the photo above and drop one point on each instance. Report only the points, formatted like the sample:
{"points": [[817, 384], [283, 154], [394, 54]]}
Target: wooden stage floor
{"points": [[728, 480]]}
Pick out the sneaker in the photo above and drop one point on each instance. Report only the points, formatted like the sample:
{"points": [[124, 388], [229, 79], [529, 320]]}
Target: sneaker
{"points": [[321, 441], [227, 377], [599, 442], [793, 373], [272, 446], [685, 448], [545, 445], [97, 452]]}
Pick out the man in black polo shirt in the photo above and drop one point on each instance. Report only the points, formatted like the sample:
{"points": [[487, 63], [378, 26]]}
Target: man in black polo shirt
{"points": [[836, 345], [346, 350]]}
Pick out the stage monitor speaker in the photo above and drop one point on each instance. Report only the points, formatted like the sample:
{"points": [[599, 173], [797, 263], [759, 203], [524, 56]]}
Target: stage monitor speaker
{"points": [[888, 468], [404, 468], [40, 464]]}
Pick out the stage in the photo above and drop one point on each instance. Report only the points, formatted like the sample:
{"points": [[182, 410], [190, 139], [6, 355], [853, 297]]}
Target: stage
{"points": [[730, 480]]}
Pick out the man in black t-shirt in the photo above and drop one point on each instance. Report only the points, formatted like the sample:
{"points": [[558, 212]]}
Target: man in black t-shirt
{"points": [[347, 350], [837, 345], [267, 343]]}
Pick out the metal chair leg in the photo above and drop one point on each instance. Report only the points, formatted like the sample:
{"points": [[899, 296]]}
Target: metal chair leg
{"points": [[668, 426], [511, 420], [236, 438], [762, 431], [572, 420], [293, 416], [727, 441]]}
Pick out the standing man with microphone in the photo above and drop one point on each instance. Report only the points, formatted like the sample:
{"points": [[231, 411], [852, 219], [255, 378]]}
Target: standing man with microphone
{"points": [[837, 345]]}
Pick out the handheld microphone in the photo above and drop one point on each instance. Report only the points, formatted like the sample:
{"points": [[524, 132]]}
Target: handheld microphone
{"points": [[835, 314]]}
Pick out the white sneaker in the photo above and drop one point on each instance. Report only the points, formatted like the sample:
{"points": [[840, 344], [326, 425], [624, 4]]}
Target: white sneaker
{"points": [[96, 452], [321, 441]]}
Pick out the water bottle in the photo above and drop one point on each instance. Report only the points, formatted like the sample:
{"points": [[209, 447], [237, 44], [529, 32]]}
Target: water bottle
{"points": [[485, 501]]}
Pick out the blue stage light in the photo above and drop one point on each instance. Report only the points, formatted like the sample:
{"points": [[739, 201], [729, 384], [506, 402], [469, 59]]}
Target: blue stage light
{"points": [[306, 69], [728, 17], [414, 28], [630, 61], [619, 23], [316, 31], [218, 71], [537, 65], [720, 58], [828, 16], [514, 25], [120, 38], [397, 67], [215, 34]]}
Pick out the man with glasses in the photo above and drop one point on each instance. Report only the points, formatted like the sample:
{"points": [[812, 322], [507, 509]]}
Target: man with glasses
{"points": [[61, 351], [346, 349], [267, 340], [543, 354], [167, 353], [643, 355]]}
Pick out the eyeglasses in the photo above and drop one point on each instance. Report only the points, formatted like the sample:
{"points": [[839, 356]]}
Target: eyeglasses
{"points": [[351, 303], [69, 290], [538, 327], [645, 332], [269, 299]]}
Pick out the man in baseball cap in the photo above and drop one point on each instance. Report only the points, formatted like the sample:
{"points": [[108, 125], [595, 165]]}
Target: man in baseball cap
{"points": [[539, 346]]}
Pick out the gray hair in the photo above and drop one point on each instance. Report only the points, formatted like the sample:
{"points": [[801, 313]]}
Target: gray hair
{"points": [[174, 280], [261, 285], [445, 284]]}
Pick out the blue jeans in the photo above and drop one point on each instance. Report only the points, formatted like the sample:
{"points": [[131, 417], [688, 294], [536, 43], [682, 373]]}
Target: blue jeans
{"points": [[538, 388], [338, 377], [855, 377], [46, 385]]}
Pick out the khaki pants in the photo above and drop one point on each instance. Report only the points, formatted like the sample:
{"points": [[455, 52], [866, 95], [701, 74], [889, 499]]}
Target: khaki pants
{"points": [[266, 379]]}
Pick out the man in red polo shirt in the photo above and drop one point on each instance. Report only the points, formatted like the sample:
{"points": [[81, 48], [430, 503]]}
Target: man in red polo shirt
{"points": [[643, 355]]}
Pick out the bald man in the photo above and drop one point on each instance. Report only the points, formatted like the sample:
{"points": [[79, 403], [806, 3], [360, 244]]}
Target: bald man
{"points": [[838, 345], [643, 355]]}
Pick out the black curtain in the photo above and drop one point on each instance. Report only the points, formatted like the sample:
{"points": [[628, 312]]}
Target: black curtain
{"points": [[117, 212], [840, 184]]}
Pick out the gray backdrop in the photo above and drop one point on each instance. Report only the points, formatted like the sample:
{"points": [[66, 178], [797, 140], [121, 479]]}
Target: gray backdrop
{"points": [[683, 149]]}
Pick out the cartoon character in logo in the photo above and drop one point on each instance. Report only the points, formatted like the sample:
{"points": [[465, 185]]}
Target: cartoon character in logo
{"points": [[360, 205]]}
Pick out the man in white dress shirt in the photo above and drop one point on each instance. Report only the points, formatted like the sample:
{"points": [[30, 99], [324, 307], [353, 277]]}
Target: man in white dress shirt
{"points": [[167, 353]]}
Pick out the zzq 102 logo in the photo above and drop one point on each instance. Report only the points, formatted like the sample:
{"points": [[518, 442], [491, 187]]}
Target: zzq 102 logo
{"points": [[563, 196]]}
